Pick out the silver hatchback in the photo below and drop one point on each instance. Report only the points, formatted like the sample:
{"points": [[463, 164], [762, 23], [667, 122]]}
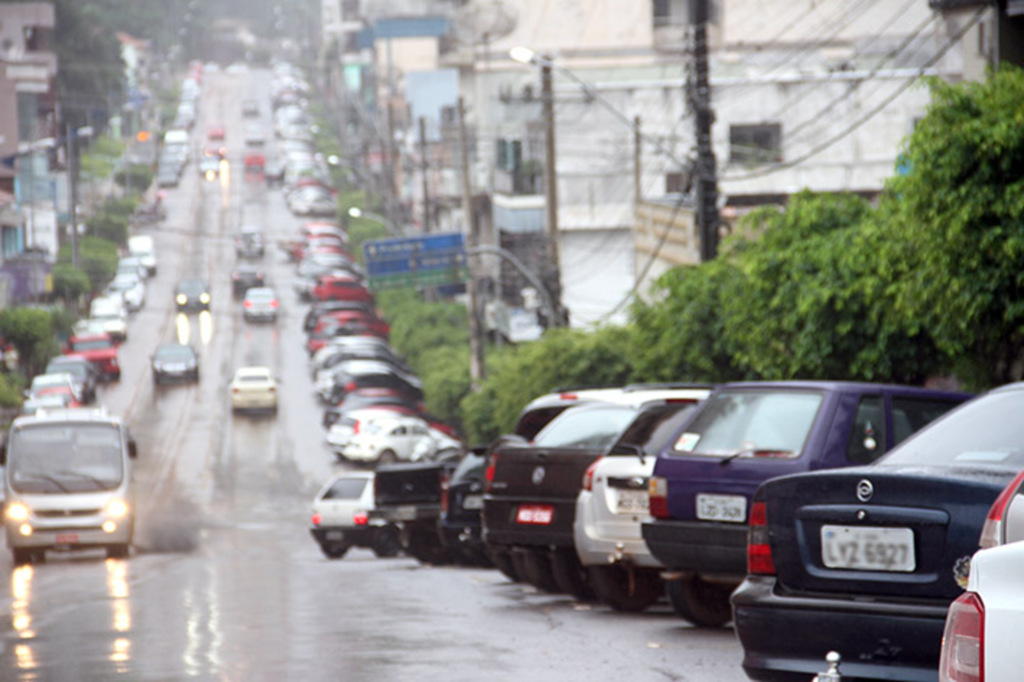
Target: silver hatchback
{"points": [[260, 304]]}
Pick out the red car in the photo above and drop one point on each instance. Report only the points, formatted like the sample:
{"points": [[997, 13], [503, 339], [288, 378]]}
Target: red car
{"points": [[354, 326], [100, 350], [340, 288], [215, 133]]}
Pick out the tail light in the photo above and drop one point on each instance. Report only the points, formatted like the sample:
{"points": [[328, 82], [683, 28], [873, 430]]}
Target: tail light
{"points": [[355, 428], [492, 463], [963, 641], [657, 492], [759, 551], [993, 532], [273, 303], [350, 386], [446, 484], [317, 519], [588, 475], [360, 518], [247, 304]]}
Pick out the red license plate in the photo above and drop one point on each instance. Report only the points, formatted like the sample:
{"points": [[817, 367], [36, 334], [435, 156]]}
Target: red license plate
{"points": [[66, 539], [535, 514]]}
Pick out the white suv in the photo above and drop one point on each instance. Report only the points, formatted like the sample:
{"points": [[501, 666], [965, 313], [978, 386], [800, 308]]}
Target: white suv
{"points": [[614, 501]]}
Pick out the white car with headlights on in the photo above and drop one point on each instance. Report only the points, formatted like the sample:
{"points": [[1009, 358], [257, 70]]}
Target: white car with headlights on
{"points": [[253, 389]]}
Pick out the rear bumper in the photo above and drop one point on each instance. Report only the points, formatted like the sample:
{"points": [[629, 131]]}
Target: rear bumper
{"points": [[358, 536], [501, 528], [711, 549], [602, 537], [786, 637]]}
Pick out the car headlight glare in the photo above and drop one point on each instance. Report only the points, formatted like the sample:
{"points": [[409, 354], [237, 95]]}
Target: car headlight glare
{"points": [[117, 508], [204, 297], [16, 511], [182, 299]]}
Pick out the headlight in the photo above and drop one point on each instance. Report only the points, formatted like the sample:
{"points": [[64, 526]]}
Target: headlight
{"points": [[16, 511], [204, 297], [117, 509], [182, 299]]}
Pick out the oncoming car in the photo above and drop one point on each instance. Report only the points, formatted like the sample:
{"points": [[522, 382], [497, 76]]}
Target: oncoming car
{"points": [[253, 389], [192, 294]]}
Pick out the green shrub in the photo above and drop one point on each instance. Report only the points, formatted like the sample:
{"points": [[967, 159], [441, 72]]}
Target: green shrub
{"points": [[69, 283], [135, 177]]}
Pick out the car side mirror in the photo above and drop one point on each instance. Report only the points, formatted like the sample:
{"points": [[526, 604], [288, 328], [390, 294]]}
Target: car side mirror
{"points": [[3, 450], [133, 448], [1013, 521]]}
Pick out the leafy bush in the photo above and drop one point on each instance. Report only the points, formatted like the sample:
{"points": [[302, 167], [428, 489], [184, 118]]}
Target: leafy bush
{"points": [[98, 259], [109, 226], [30, 331], [69, 283], [135, 177]]}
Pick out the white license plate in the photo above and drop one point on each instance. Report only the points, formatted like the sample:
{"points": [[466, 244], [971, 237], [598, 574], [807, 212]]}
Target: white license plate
{"points": [[405, 513], [727, 508], [868, 549], [335, 535], [632, 502], [473, 502]]}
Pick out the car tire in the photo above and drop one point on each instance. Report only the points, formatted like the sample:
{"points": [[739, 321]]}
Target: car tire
{"points": [[386, 543], [502, 560], [22, 556], [118, 551], [334, 551], [702, 603], [387, 457], [426, 547], [537, 570], [570, 575], [626, 588]]}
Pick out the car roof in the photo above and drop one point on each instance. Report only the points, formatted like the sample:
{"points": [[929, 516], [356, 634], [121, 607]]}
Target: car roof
{"points": [[78, 414], [254, 370], [837, 386]]}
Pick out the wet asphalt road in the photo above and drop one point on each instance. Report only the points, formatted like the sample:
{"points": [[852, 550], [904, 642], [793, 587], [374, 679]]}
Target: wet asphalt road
{"points": [[225, 582]]}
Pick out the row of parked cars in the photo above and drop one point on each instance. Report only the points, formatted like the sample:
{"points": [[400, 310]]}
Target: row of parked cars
{"points": [[814, 516]]}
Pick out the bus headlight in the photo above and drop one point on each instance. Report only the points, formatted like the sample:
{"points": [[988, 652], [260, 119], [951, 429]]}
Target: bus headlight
{"points": [[16, 511], [117, 509]]}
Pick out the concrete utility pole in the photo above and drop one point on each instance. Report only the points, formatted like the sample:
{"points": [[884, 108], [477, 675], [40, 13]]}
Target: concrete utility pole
{"points": [[424, 168], [72, 194], [477, 369], [704, 116], [553, 274], [637, 160]]}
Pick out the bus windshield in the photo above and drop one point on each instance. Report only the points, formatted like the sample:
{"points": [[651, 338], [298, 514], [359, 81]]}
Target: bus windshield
{"points": [[65, 458]]}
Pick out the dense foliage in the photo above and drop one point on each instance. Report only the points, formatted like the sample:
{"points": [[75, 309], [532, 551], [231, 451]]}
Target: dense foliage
{"points": [[30, 332]]}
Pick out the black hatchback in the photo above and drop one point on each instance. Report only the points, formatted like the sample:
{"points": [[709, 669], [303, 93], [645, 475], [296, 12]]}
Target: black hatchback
{"points": [[865, 561], [191, 295]]}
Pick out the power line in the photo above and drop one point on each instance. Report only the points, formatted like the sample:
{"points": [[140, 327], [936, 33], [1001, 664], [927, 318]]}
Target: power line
{"points": [[870, 114]]}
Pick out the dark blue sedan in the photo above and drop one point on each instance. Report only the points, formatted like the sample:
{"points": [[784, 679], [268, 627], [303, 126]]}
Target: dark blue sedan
{"points": [[865, 561]]}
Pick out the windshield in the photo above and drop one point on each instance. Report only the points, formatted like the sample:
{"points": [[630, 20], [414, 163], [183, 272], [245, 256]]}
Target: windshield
{"points": [[94, 344], [987, 430], [592, 428], [65, 458], [175, 352], [755, 422]]}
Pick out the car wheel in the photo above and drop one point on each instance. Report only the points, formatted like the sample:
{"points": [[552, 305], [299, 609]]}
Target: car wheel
{"points": [[386, 542], [502, 560], [21, 556], [426, 547], [702, 603], [537, 569], [569, 574], [118, 551], [626, 588], [387, 457], [334, 551]]}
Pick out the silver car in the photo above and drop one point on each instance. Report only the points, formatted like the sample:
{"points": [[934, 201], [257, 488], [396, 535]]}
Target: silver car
{"points": [[260, 304]]}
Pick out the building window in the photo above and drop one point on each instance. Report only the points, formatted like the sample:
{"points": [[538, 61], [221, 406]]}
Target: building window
{"points": [[677, 183], [755, 144], [349, 10]]}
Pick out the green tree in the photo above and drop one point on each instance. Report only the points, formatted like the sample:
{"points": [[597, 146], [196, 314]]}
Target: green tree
{"points": [[69, 283], [30, 331], [98, 259], [955, 226]]}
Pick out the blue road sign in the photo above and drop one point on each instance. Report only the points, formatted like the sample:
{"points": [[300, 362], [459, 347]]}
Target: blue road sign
{"points": [[434, 259]]}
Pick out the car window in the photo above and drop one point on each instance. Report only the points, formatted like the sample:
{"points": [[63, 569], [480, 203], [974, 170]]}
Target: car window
{"points": [[591, 428], [738, 421], [910, 415], [986, 431], [867, 439], [346, 489], [654, 428]]}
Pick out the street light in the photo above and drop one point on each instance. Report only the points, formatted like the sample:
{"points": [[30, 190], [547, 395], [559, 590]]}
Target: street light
{"points": [[356, 212]]}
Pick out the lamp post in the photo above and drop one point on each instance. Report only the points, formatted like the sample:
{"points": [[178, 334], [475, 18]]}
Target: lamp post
{"points": [[356, 212]]}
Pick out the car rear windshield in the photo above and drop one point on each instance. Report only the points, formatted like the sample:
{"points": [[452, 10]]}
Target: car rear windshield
{"points": [[346, 489], [653, 429], [759, 423], [592, 428], [985, 431]]}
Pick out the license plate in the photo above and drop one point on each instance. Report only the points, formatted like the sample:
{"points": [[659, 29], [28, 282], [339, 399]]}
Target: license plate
{"points": [[632, 502], [473, 502], [66, 539], [727, 508], [868, 549], [406, 512], [334, 535], [537, 515]]}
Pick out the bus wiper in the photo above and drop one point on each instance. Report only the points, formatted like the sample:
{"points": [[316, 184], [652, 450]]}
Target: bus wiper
{"points": [[100, 484], [756, 452], [47, 478]]}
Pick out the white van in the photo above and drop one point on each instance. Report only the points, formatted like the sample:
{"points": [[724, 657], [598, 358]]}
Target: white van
{"points": [[68, 483], [173, 137], [112, 313], [141, 247]]}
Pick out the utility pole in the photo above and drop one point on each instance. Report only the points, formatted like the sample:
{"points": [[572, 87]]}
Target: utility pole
{"points": [[477, 369], [704, 116], [424, 168], [553, 276], [637, 159], [72, 194]]}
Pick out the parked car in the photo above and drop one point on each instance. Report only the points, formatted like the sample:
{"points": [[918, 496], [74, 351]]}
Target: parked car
{"points": [[45, 403], [253, 389], [130, 289], [175, 362], [81, 369], [191, 295], [462, 498], [866, 560], [260, 305], [332, 384], [100, 350], [52, 384], [250, 108], [359, 398], [385, 441], [141, 246], [111, 313], [746, 433], [341, 518], [340, 288]]}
